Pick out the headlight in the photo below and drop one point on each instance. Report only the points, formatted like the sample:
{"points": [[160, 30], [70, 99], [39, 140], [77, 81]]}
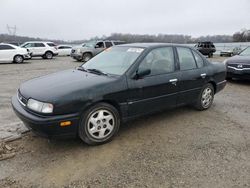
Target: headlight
{"points": [[40, 106]]}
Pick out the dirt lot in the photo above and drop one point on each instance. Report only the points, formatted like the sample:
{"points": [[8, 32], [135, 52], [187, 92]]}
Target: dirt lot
{"points": [[177, 148]]}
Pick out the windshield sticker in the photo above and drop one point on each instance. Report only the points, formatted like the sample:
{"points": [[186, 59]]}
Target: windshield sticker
{"points": [[136, 50]]}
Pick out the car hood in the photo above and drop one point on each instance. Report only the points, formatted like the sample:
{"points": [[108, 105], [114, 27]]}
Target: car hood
{"points": [[55, 87], [81, 47], [239, 59]]}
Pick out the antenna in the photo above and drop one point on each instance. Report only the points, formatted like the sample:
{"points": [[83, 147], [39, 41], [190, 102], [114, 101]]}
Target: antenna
{"points": [[12, 30]]}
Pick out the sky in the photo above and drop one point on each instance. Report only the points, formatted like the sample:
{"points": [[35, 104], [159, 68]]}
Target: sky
{"points": [[82, 19]]}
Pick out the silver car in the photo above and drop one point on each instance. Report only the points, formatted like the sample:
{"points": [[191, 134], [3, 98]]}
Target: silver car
{"points": [[88, 50]]}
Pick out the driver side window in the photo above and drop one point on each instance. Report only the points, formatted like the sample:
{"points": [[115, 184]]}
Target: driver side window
{"points": [[159, 61], [100, 45]]}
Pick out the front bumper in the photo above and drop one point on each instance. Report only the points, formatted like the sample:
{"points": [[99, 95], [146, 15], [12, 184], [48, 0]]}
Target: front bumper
{"points": [[27, 56], [55, 53], [46, 126], [76, 56], [238, 73]]}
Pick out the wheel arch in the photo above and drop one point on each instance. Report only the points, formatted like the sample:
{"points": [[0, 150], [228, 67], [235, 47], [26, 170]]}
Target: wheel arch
{"points": [[87, 52], [108, 101], [214, 85], [48, 51]]}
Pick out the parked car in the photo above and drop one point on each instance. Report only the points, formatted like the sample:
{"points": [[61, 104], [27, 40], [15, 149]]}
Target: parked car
{"points": [[12, 53], [239, 65], [46, 50], [119, 84], [64, 50], [230, 51], [88, 50], [206, 48]]}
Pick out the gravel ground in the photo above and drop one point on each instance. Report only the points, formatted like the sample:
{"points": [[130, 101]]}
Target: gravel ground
{"points": [[176, 148]]}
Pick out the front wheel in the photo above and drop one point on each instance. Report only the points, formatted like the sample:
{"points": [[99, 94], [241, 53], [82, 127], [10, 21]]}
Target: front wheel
{"points": [[18, 59], [99, 124], [206, 97], [86, 57]]}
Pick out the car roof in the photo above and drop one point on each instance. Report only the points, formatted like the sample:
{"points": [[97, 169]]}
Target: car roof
{"points": [[39, 42], [152, 45], [3, 43]]}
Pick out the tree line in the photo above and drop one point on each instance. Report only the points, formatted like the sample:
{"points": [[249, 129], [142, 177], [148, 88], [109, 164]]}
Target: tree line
{"points": [[240, 36]]}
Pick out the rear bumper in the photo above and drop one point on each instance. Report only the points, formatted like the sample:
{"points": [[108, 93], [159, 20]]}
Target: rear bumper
{"points": [[46, 126], [220, 86]]}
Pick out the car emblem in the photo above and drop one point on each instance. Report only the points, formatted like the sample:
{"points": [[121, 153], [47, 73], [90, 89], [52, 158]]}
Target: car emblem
{"points": [[240, 66]]}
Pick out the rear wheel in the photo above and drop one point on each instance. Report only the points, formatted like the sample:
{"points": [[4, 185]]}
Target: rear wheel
{"points": [[18, 59], [48, 55], [99, 124], [206, 97]]}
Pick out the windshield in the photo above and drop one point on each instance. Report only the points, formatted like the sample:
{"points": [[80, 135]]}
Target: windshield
{"points": [[115, 60], [89, 44], [245, 52]]}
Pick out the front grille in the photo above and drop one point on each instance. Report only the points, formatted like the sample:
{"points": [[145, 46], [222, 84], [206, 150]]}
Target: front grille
{"points": [[22, 99], [239, 65]]}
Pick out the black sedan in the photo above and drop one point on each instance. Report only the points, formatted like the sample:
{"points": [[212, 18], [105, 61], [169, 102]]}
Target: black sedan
{"points": [[121, 83], [239, 66]]}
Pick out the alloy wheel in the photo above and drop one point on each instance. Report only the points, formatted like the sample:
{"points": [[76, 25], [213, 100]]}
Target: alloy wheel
{"points": [[100, 124], [207, 97]]}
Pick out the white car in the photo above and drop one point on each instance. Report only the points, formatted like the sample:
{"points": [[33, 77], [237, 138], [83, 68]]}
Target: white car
{"points": [[46, 50], [12, 53], [64, 50]]}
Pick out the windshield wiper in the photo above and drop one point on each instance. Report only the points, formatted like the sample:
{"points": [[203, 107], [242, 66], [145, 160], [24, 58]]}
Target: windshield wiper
{"points": [[82, 69], [97, 71]]}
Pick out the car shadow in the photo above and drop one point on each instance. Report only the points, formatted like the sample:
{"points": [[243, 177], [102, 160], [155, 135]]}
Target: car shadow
{"points": [[239, 81], [126, 128], [8, 63]]}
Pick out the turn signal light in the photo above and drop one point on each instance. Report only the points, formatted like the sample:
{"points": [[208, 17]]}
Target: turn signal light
{"points": [[65, 123]]}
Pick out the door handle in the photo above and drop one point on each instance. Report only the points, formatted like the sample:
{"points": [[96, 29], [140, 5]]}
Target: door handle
{"points": [[173, 81], [203, 75]]}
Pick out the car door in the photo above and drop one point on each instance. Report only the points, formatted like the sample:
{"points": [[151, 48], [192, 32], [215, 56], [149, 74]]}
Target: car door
{"points": [[99, 47], [7, 53], [39, 48], [158, 90], [192, 75]]}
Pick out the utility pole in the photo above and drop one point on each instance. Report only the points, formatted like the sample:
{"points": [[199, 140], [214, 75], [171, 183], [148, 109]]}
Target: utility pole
{"points": [[12, 30]]}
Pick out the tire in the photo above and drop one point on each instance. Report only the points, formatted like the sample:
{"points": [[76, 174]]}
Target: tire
{"points": [[210, 55], [18, 59], [99, 124], [86, 57], [48, 55], [206, 97]]}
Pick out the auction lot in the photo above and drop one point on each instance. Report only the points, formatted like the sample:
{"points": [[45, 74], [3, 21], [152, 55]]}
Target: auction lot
{"points": [[176, 148]]}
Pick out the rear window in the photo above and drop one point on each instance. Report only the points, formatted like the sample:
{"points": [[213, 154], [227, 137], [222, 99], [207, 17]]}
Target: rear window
{"points": [[186, 59], [6, 47], [51, 44]]}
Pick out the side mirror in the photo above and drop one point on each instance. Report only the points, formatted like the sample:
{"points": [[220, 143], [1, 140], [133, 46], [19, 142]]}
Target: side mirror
{"points": [[142, 73]]}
